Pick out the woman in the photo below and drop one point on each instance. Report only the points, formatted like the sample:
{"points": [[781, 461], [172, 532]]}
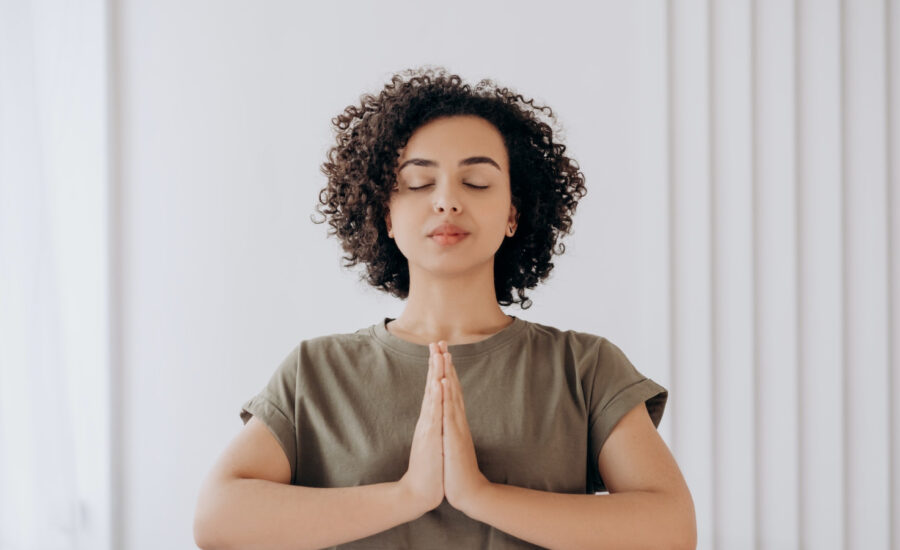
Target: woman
{"points": [[453, 425]]}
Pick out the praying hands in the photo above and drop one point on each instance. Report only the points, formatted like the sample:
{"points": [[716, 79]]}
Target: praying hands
{"points": [[442, 458]]}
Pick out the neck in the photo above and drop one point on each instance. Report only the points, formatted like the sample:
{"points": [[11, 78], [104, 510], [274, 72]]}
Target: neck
{"points": [[451, 308]]}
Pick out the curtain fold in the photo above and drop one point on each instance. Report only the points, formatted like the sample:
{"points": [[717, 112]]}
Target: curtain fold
{"points": [[54, 436]]}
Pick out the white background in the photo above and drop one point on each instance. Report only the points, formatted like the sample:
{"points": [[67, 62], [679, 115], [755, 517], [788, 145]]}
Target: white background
{"points": [[739, 239]]}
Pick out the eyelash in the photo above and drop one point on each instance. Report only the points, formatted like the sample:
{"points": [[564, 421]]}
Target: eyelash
{"points": [[464, 183]]}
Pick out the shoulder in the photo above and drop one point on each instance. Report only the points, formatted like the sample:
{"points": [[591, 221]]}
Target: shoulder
{"points": [[604, 368], [577, 340], [335, 349], [336, 340], [588, 351]]}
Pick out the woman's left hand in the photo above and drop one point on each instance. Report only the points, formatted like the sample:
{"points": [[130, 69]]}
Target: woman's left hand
{"points": [[462, 478]]}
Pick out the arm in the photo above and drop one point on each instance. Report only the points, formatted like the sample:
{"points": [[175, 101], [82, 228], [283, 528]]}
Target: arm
{"points": [[649, 505], [261, 514], [247, 502]]}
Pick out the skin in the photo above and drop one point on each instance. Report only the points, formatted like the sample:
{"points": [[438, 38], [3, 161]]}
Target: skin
{"points": [[452, 298], [451, 294], [451, 288], [462, 478], [442, 460]]}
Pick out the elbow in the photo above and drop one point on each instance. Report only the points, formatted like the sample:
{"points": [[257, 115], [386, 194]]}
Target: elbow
{"points": [[680, 537], [208, 525], [689, 540], [204, 534], [686, 523], [692, 534], [679, 530], [200, 539], [209, 536]]}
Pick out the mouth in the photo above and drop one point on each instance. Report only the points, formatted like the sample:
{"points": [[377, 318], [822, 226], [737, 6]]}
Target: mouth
{"points": [[448, 229], [445, 239]]}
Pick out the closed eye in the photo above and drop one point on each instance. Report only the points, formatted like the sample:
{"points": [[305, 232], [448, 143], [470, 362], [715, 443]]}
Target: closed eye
{"points": [[464, 183]]}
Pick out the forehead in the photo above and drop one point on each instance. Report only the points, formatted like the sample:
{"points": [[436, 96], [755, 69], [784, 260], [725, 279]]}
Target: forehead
{"points": [[449, 139]]}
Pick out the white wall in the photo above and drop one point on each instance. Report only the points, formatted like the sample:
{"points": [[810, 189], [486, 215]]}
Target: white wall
{"points": [[224, 121], [738, 240], [55, 458]]}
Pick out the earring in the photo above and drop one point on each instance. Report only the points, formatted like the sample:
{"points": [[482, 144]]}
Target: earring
{"points": [[511, 231]]}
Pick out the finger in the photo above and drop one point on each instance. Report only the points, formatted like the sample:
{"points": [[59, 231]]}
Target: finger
{"points": [[448, 409], [430, 359], [451, 411], [435, 385], [445, 357], [449, 405], [429, 388], [439, 366], [449, 368], [456, 391], [435, 370], [450, 372], [437, 405]]}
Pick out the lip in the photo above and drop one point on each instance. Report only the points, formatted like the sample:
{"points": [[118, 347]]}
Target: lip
{"points": [[448, 229], [444, 239]]}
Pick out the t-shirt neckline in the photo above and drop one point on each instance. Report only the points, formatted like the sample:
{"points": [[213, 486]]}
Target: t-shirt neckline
{"points": [[492, 342]]}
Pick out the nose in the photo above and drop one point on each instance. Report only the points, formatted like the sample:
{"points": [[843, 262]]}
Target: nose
{"points": [[445, 200], [440, 207]]}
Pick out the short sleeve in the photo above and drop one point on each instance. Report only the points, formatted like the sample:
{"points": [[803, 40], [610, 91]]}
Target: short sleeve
{"points": [[275, 405], [617, 388]]}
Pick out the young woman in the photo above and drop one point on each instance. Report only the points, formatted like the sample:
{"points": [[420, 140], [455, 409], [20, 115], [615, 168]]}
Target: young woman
{"points": [[454, 425]]}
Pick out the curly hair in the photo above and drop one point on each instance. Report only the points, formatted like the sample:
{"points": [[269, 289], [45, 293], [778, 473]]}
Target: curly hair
{"points": [[545, 184]]}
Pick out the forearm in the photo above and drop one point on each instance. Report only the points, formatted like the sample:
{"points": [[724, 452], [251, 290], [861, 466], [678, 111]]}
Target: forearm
{"points": [[259, 514], [561, 520]]}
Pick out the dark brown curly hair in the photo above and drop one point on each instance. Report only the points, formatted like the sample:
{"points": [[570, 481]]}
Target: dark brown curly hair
{"points": [[545, 184]]}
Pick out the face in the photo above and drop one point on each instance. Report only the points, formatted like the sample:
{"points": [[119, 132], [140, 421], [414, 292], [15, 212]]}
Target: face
{"points": [[453, 170]]}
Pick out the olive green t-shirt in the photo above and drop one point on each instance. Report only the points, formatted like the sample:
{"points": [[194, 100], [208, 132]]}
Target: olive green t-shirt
{"points": [[540, 402]]}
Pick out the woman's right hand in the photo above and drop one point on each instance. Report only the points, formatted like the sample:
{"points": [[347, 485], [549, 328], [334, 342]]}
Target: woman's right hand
{"points": [[424, 478]]}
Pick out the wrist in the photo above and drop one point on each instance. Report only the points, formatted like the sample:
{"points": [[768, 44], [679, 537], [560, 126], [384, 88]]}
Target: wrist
{"points": [[411, 502], [472, 504]]}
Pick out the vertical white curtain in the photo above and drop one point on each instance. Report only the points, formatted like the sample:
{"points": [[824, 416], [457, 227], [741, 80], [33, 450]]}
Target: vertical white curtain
{"points": [[54, 367], [771, 236]]}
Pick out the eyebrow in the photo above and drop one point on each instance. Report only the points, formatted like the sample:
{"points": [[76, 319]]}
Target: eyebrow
{"points": [[464, 162]]}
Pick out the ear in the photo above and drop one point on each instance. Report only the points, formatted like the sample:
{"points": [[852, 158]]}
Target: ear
{"points": [[387, 223], [513, 215]]}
